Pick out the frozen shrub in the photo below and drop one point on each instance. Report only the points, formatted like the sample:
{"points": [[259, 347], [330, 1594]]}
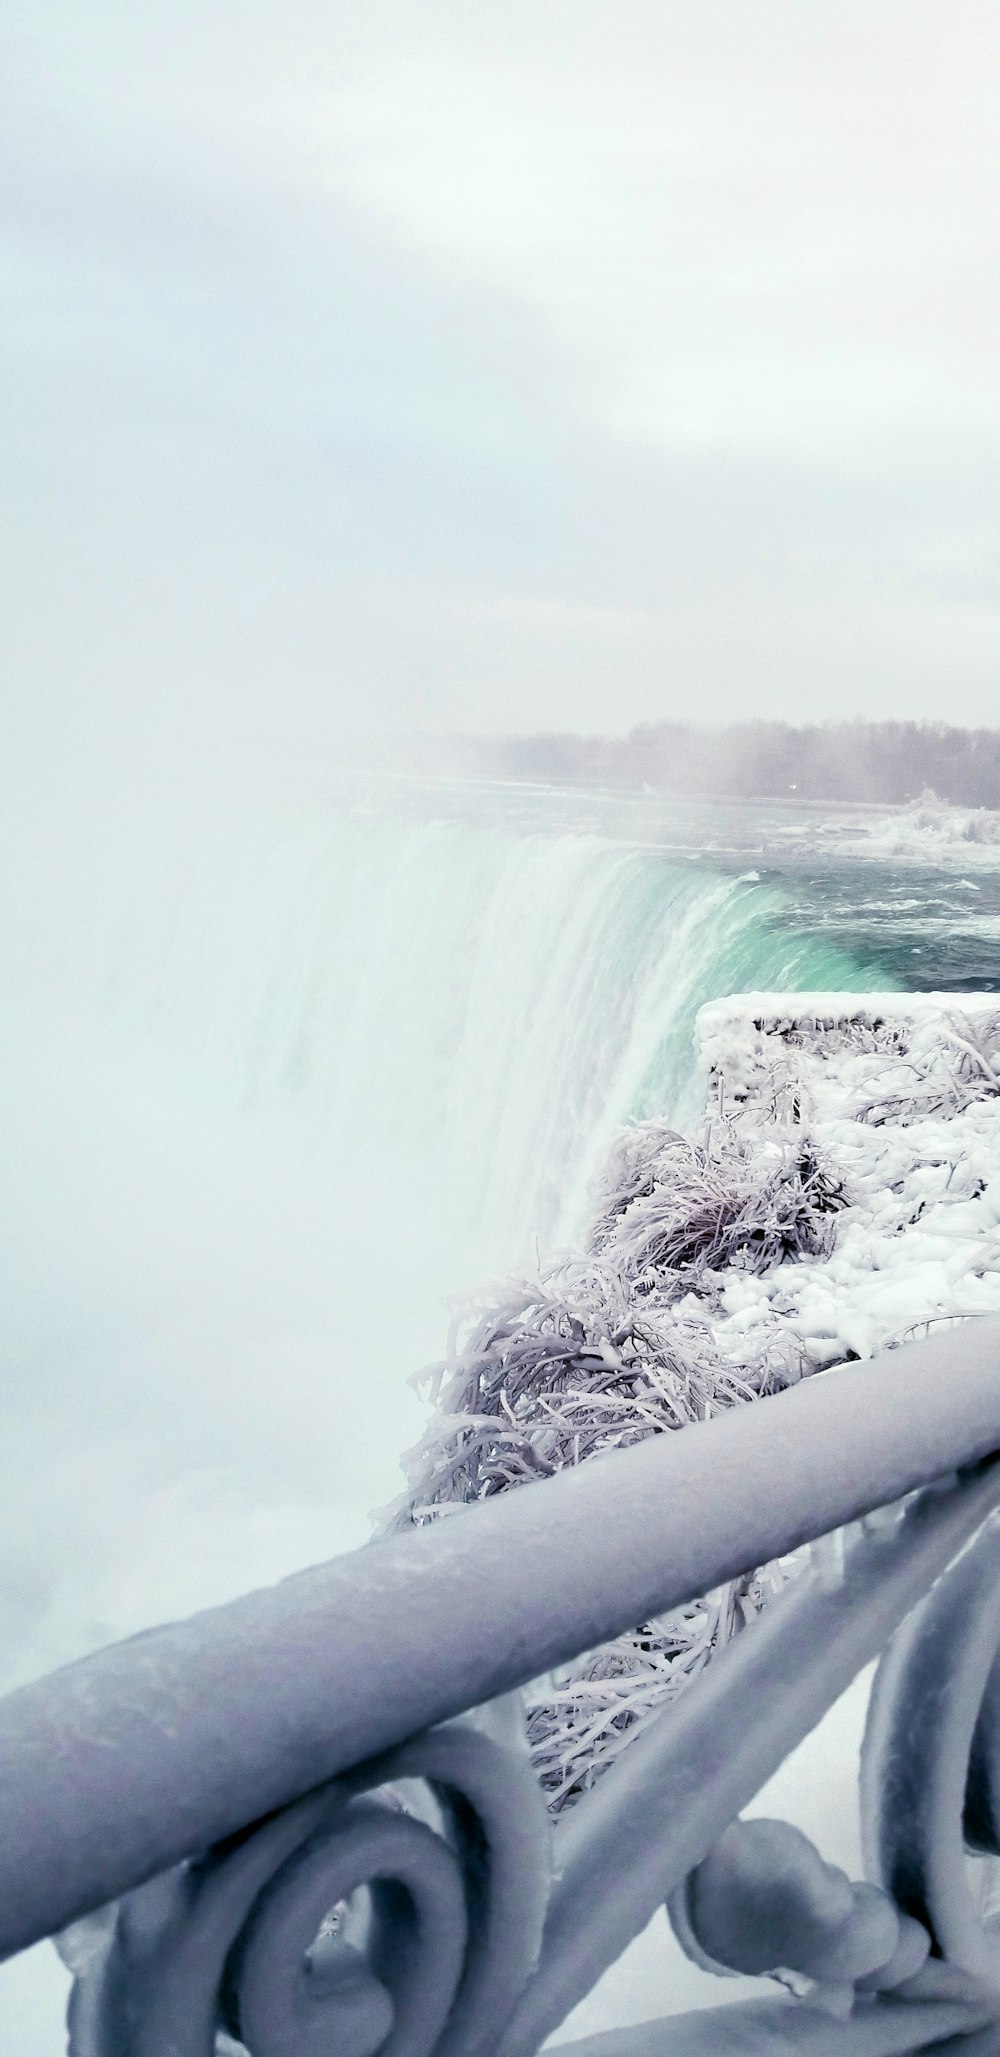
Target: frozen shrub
{"points": [[950, 1062], [682, 1211], [563, 1367], [581, 1717], [594, 1354]]}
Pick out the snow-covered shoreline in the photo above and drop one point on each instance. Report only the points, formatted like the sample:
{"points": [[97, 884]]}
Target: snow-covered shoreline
{"points": [[842, 1196], [901, 1093]]}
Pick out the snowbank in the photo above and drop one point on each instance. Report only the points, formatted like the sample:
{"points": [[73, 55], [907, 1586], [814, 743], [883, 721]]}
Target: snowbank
{"points": [[842, 1196], [901, 1093]]}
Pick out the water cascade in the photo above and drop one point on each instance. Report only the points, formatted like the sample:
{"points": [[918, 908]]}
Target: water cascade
{"points": [[491, 1003]]}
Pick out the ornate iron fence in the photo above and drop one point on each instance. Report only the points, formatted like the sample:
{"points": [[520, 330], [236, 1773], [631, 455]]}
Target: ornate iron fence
{"points": [[306, 1822]]}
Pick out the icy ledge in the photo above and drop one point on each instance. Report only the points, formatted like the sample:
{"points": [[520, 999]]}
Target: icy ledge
{"points": [[307, 1820], [900, 1093], [842, 1197]]}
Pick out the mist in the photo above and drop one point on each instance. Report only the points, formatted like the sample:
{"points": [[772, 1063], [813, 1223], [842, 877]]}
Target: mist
{"points": [[868, 762], [568, 371], [410, 372], [285, 1066]]}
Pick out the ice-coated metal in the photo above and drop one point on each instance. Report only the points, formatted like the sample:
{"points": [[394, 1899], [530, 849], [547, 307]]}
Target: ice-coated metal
{"points": [[264, 1838]]}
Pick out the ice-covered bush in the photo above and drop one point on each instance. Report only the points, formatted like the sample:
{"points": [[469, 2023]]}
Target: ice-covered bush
{"points": [[564, 1366], [593, 1354], [674, 1211], [842, 1195]]}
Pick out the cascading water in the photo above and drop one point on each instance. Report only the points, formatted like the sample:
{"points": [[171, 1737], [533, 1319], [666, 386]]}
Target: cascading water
{"points": [[274, 1082], [489, 1003]]}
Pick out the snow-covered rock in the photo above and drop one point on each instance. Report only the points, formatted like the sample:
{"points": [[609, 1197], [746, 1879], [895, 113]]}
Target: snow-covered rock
{"points": [[842, 1195], [900, 1094]]}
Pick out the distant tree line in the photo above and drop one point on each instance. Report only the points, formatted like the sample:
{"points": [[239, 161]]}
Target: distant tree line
{"points": [[885, 761]]}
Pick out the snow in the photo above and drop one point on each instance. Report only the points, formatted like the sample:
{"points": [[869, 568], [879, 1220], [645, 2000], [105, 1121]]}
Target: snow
{"points": [[918, 1242], [156, 1208], [917, 1245], [840, 1197]]}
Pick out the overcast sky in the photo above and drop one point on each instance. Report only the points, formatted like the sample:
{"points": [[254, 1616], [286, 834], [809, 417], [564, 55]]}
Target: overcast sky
{"points": [[442, 365]]}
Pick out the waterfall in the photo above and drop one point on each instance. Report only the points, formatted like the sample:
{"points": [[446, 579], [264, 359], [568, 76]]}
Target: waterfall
{"points": [[488, 1002], [276, 1077]]}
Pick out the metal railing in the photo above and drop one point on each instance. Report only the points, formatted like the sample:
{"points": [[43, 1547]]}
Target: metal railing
{"points": [[307, 1822]]}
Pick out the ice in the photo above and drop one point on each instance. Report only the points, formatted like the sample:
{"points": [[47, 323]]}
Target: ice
{"points": [[917, 1239], [829, 1206]]}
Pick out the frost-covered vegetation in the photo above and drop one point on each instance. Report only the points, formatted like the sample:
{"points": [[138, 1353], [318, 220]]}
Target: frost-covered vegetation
{"points": [[675, 1213], [842, 1196]]}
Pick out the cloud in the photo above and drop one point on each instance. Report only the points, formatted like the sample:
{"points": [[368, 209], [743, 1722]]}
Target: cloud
{"points": [[404, 367]]}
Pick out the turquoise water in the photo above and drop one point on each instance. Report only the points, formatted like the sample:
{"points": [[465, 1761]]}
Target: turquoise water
{"points": [[475, 989], [921, 927], [278, 1075], [924, 919]]}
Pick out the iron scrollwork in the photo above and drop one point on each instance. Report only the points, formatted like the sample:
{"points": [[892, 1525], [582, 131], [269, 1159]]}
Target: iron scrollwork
{"points": [[398, 1909], [425, 1906]]}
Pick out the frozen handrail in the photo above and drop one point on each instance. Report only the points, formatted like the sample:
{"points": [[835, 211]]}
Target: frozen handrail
{"points": [[161, 1748]]}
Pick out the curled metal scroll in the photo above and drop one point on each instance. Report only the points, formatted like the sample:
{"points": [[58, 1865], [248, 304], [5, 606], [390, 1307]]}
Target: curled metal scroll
{"points": [[931, 1760], [668, 1808], [910, 1959], [399, 1909], [405, 1909]]}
